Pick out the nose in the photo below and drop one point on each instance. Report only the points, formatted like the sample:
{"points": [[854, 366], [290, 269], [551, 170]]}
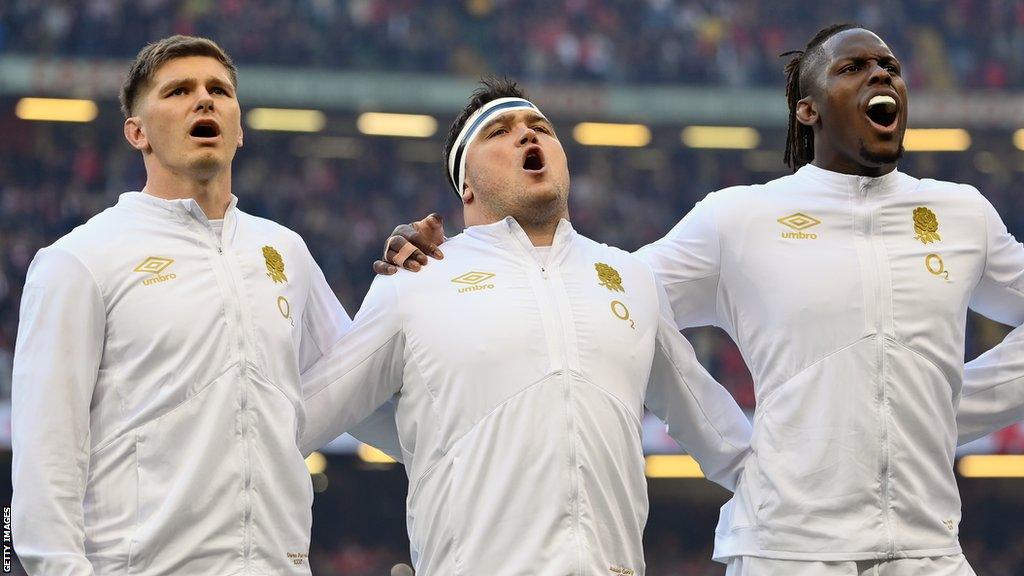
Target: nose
{"points": [[527, 136], [879, 75], [204, 101]]}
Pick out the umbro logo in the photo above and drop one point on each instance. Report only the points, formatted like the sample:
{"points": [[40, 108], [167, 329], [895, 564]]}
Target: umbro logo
{"points": [[474, 281], [155, 265], [799, 222]]}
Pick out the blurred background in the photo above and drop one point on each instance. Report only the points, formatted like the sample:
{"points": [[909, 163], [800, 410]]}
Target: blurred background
{"points": [[657, 102]]}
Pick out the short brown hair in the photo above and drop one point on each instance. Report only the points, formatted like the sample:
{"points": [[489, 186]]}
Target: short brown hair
{"points": [[156, 54]]}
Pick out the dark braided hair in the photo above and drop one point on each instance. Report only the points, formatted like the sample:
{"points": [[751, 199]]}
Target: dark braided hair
{"points": [[800, 138]]}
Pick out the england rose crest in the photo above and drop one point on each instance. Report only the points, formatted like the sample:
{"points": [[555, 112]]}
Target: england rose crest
{"points": [[926, 225]]}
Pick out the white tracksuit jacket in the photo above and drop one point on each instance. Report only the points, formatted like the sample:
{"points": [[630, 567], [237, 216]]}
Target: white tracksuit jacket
{"points": [[521, 389], [853, 328], [157, 403]]}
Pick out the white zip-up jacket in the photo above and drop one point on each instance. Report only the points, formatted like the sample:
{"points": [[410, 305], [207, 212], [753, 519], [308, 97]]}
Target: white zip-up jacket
{"points": [[157, 403], [521, 386], [848, 297]]}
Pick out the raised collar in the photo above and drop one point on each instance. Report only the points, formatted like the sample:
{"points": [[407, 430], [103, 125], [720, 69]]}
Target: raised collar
{"points": [[508, 230], [884, 183], [182, 208]]}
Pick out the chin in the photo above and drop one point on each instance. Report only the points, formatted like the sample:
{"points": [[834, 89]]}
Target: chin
{"points": [[206, 165], [881, 154]]}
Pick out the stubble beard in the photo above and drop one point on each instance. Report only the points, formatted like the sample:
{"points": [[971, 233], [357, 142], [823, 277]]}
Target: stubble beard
{"points": [[535, 212], [880, 158], [509, 200], [205, 166]]}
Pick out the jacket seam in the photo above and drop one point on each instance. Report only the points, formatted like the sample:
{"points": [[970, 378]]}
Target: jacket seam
{"points": [[764, 403], [110, 440], [992, 387], [609, 394], [413, 351], [984, 268], [415, 365], [718, 241], [688, 280], [414, 488], [138, 506], [921, 356], [400, 311]]}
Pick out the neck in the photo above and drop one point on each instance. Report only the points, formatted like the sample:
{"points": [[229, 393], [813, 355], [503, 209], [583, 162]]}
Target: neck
{"points": [[833, 162], [212, 195], [539, 233]]}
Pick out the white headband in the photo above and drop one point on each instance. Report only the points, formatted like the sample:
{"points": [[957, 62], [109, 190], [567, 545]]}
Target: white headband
{"points": [[472, 127]]}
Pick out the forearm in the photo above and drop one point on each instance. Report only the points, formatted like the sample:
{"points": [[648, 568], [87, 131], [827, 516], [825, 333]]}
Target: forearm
{"points": [[345, 390], [357, 375], [993, 390], [698, 412]]}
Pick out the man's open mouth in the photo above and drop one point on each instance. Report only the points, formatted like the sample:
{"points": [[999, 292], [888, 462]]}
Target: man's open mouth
{"points": [[533, 161], [883, 110], [204, 129]]}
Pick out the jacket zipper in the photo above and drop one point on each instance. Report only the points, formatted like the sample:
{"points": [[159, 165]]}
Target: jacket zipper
{"points": [[882, 390], [570, 419], [243, 401]]}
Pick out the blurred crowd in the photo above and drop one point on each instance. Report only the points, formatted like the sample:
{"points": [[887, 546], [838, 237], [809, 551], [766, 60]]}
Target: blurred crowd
{"points": [[968, 44]]}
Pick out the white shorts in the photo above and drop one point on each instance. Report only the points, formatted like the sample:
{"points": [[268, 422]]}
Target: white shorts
{"points": [[937, 566]]}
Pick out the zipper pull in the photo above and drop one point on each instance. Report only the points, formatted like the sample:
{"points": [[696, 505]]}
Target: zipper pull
{"points": [[543, 272]]}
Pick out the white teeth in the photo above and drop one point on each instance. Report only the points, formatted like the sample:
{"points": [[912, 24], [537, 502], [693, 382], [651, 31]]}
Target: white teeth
{"points": [[888, 101]]}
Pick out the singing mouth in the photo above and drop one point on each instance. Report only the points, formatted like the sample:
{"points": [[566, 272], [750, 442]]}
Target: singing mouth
{"points": [[533, 160], [883, 110], [204, 129]]}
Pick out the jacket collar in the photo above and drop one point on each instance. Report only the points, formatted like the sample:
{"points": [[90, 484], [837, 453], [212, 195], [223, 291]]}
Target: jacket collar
{"points": [[183, 210], [884, 183], [508, 230]]}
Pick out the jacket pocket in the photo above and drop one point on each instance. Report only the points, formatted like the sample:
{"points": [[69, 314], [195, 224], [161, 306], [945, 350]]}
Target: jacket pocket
{"points": [[110, 505], [431, 515], [190, 476]]}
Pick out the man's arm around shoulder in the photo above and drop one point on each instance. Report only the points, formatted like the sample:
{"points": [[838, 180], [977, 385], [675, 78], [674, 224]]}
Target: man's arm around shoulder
{"points": [[698, 412], [358, 374]]}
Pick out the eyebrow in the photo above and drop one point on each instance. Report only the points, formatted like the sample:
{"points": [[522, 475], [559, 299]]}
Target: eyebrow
{"points": [[530, 118], [175, 82], [533, 117], [191, 80], [886, 58]]}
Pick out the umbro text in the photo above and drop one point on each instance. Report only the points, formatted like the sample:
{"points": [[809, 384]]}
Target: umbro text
{"points": [[476, 287], [800, 235], [158, 279]]}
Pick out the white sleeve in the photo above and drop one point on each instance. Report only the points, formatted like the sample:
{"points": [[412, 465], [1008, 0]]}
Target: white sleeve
{"points": [[687, 262], [698, 412], [993, 390], [359, 373], [324, 322], [56, 360]]}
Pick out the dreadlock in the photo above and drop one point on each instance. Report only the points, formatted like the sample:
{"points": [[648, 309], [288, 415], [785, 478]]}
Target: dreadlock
{"points": [[800, 138]]}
